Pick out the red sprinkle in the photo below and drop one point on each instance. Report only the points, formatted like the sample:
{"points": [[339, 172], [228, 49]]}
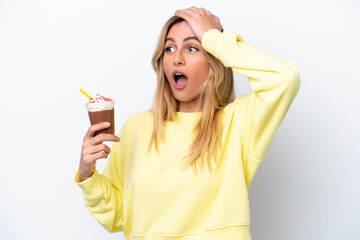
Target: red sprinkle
{"points": [[99, 98]]}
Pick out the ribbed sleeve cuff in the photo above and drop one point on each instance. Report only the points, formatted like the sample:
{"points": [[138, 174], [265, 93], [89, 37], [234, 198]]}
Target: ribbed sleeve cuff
{"points": [[93, 186]]}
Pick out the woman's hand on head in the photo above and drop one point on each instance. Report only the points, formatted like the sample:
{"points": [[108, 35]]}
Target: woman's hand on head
{"points": [[200, 20], [94, 149]]}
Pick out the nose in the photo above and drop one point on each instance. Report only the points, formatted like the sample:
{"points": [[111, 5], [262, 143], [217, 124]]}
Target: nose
{"points": [[179, 59]]}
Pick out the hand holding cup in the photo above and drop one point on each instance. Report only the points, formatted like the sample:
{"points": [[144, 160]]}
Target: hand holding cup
{"points": [[94, 149]]}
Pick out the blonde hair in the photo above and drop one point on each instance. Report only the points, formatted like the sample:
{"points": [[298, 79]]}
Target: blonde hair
{"points": [[216, 92]]}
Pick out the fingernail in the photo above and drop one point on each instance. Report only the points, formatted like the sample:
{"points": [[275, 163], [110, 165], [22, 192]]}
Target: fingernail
{"points": [[107, 124]]}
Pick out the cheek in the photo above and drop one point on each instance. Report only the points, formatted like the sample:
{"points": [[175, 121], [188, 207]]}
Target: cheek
{"points": [[204, 72], [200, 68], [166, 67]]}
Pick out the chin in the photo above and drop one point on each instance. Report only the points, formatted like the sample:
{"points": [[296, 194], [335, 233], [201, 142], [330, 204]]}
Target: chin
{"points": [[184, 97]]}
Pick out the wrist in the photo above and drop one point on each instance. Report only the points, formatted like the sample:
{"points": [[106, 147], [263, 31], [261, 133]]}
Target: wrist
{"points": [[84, 177]]}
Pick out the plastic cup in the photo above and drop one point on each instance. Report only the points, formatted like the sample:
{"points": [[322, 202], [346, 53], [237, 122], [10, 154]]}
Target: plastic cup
{"points": [[102, 111], [103, 116]]}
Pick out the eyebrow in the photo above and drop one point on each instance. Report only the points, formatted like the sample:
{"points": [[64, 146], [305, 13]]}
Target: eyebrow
{"points": [[186, 39]]}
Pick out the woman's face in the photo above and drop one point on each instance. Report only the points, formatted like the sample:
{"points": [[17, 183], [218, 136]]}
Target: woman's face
{"points": [[185, 65]]}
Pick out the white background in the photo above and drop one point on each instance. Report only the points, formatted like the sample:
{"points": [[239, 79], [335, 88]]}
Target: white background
{"points": [[306, 188]]}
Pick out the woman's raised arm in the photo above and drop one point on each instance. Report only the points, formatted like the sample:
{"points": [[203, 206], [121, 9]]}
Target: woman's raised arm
{"points": [[274, 83]]}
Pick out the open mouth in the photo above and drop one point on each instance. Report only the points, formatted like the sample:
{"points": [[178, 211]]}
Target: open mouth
{"points": [[180, 80]]}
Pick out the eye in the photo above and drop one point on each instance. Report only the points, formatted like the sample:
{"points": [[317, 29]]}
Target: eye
{"points": [[169, 49], [193, 49]]}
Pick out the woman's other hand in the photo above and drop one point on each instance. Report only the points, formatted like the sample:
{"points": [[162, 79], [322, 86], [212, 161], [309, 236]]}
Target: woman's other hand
{"points": [[200, 20], [94, 149]]}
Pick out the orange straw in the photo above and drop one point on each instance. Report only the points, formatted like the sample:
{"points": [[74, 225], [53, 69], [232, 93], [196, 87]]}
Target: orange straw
{"points": [[87, 95]]}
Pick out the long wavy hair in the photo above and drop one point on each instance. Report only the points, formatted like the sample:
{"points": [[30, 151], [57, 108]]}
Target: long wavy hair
{"points": [[216, 92]]}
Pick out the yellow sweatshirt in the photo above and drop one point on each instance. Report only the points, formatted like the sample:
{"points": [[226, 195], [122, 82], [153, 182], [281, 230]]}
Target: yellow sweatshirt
{"points": [[150, 197]]}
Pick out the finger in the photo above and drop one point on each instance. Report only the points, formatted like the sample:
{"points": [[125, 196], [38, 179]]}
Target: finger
{"points": [[96, 127], [193, 13], [96, 156], [190, 11], [96, 148], [199, 11], [205, 11], [183, 14], [194, 10], [104, 137], [216, 18], [218, 21]]}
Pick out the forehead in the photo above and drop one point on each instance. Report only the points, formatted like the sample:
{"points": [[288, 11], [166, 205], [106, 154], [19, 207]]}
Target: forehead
{"points": [[180, 31]]}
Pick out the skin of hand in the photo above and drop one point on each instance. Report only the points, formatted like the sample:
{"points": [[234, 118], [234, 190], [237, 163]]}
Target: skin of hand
{"points": [[200, 20], [94, 149]]}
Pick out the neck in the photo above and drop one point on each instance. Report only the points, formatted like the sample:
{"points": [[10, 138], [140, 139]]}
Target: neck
{"points": [[191, 106]]}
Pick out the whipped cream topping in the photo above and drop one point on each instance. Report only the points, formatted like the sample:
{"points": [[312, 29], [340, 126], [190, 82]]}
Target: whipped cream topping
{"points": [[100, 103]]}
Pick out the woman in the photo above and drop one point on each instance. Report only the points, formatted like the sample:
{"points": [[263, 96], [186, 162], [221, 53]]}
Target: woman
{"points": [[182, 170]]}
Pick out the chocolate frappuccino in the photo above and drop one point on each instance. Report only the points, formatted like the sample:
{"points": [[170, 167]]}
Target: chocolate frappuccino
{"points": [[101, 109]]}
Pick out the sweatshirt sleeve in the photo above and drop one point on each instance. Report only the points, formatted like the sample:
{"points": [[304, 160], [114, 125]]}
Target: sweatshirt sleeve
{"points": [[274, 83], [103, 194]]}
